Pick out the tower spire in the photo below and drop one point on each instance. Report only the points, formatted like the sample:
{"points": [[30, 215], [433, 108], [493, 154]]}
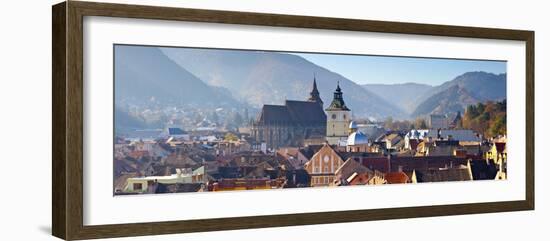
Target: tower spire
{"points": [[314, 84], [314, 94], [338, 101]]}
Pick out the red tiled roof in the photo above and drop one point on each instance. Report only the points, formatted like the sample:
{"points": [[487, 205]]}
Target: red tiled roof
{"points": [[396, 177], [425, 162], [138, 154], [380, 164], [358, 179]]}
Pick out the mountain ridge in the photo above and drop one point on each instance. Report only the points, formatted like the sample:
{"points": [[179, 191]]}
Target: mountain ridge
{"points": [[468, 88], [271, 78], [146, 73]]}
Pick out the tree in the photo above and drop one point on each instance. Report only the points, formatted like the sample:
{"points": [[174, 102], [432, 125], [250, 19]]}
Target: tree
{"points": [[487, 118], [230, 137], [498, 126]]}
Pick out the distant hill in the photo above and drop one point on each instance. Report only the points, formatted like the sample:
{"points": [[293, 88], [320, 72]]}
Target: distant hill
{"points": [[464, 90], [144, 74], [402, 95], [453, 99], [269, 78], [482, 84], [218, 78]]}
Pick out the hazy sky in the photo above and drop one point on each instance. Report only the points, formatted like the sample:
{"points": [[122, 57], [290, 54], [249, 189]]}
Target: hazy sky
{"points": [[393, 70]]}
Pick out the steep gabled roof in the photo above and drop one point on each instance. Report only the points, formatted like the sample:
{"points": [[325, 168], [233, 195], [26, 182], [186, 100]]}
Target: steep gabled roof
{"points": [[305, 111], [446, 175], [310, 150], [298, 112], [349, 167], [272, 114], [396, 177]]}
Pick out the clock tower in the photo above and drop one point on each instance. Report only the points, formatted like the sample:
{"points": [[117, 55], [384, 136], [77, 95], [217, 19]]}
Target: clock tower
{"points": [[338, 119]]}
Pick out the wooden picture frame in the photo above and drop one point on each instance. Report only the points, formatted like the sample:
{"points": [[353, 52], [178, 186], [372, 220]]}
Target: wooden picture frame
{"points": [[67, 124]]}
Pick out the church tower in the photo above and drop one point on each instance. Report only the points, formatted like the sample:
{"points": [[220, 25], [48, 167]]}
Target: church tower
{"points": [[338, 119], [314, 94]]}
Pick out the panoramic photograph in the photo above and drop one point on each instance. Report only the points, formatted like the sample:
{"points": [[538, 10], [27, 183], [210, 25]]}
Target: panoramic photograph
{"points": [[208, 120]]}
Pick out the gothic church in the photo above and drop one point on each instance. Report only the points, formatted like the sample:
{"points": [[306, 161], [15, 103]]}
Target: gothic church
{"points": [[292, 123]]}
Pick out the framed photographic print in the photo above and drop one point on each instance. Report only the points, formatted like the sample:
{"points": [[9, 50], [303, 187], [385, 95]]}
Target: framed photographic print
{"points": [[171, 120]]}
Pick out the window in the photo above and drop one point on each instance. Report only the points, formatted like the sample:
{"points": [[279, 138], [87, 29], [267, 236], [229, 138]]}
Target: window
{"points": [[333, 116], [344, 116], [137, 186]]}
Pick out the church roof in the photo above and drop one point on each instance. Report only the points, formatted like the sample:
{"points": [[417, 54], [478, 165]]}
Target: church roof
{"points": [[297, 112], [305, 111], [357, 138], [274, 114]]}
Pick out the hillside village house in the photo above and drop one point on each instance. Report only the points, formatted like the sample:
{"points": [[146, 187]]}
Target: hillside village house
{"points": [[498, 155], [323, 165], [143, 184], [294, 155], [432, 142], [394, 142], [374, 178], [349, 168]]}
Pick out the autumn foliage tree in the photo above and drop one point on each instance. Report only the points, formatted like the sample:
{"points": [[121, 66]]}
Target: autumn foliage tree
{"points": [[487, 118]]}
